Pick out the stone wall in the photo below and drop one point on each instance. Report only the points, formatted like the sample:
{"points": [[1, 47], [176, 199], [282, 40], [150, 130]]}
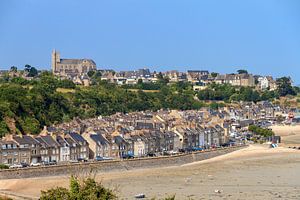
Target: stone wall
{"points": [[116, 165]]}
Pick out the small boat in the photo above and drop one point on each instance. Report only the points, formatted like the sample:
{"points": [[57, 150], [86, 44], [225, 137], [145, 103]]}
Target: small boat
{"points": [[140, 196]]}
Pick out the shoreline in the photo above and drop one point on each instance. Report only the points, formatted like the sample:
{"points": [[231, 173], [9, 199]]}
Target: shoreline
{"points": [[246, 169], [115, 165]]}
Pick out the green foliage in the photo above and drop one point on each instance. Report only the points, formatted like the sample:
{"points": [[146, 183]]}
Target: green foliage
{"points": [[296, 89], [89, 189], [90, 73], [162, 80], [216, 106], [284, 86], [32, 71], [20, 80], [13, 69], [66, 83], [226, 92], [3, 129], [242, 71], [2, 166], [58, 193], [95, 77], [261, 131], [214, 74]]}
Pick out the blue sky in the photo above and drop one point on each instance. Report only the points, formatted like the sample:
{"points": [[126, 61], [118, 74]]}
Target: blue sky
{"points": [[261, 36]]}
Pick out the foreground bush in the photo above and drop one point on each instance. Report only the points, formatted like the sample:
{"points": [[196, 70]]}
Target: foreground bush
{"points": [[89, 189]]}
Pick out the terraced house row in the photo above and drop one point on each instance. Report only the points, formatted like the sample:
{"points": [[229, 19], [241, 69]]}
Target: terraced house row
{"points": [[114, 143]]}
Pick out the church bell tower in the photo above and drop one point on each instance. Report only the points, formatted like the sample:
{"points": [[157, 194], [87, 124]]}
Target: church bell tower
{"points": [[55, 59]]}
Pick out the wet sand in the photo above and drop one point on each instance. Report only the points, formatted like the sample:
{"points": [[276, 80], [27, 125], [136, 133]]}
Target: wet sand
{"points": [[256, 172]]}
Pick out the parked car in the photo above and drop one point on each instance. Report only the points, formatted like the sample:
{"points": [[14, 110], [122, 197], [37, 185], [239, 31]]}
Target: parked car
{"points": [[107, 158], [15, 166], [99, 158], [151, 154], [188, 149], [127, 156], [24, 165], [181, 151], [197, 149], [82, 160], [35, 164], [45, 163], [172, 152], [53, 162]]}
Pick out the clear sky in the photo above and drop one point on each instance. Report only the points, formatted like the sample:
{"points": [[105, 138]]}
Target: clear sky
{"points": [[262, 36]]}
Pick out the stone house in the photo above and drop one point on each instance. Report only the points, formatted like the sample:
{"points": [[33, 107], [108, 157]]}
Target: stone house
{"points": [[64, 150], [195, 76], [201, 134], [82, 145], [246, 80], [98, 145], [171, 141], [26, 141], [140, 146], [13, 152], [118, 147], [49, 148]]}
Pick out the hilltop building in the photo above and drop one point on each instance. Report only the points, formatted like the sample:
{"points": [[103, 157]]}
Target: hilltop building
{"points": [[71, 67]]}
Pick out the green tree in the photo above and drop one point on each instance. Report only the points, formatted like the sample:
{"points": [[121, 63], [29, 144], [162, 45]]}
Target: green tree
{"points": [[32, 71], [58, 193], [91, 73], [214, 74], [89, 189], [284, 86], [162, 80], [66, 83], [242, 71], [13, 69]]}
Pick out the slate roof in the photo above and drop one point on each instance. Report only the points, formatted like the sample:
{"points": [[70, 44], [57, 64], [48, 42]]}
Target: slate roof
{"points": [[99, 139], [75, 61], [77, 137]]}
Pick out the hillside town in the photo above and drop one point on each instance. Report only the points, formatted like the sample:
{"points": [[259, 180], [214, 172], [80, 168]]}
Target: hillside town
{"points": [[141, 134], [78, 70], [145, 133]]}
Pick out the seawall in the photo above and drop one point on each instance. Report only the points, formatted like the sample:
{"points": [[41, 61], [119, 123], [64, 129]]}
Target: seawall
{"points": [[115, 165]]}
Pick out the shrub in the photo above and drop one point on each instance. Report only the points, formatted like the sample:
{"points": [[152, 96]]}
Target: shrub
{"points": [[89, 189], [2, 166]]}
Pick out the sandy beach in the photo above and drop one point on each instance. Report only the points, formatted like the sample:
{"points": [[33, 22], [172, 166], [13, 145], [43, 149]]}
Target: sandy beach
{"points": [[256, 172], [290, 135]]}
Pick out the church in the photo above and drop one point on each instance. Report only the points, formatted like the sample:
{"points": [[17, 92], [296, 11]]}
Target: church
{"points": [[71, 67]]}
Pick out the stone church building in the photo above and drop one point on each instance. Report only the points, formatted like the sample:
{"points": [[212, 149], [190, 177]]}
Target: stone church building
{"points": [[71, 67]]}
